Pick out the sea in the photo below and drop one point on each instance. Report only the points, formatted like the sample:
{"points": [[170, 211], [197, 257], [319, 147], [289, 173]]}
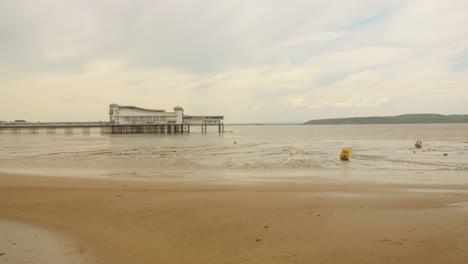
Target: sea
{"points": [[295, 153]]}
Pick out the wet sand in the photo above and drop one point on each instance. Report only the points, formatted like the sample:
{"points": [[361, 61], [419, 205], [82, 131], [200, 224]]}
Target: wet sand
{"points": [[27, 244], [137, 221]]}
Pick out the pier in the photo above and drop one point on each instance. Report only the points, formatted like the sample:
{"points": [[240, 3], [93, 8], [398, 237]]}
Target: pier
{"points": [[105, 128], [126, 120]]}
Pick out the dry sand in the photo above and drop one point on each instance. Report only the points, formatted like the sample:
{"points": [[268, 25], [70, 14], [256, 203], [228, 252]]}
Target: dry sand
{"points": [[120, 221]]}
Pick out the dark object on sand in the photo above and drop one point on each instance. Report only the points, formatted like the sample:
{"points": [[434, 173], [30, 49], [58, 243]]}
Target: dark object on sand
{"points": [[418, 144], [445, 154]]}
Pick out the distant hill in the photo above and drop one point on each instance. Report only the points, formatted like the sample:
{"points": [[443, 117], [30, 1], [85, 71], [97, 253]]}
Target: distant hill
{"points": [[400, 119]]}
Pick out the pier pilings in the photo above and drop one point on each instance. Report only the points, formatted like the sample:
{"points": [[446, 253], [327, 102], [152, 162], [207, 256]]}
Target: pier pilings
{"points": [[146, 129]]}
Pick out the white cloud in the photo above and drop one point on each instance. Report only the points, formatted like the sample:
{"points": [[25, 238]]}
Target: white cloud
{"points": [[297, 103]]}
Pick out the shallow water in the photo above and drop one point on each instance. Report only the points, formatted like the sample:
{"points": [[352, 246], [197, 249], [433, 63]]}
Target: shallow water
{"points": [[270, 151]]}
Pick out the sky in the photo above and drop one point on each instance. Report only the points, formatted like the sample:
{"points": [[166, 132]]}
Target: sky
{"points": [[251, 61]]}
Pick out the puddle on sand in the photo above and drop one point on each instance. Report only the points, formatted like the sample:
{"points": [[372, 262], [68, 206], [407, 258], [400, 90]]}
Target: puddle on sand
{"points": [[460, 205], [26, 244], [430, 190]]}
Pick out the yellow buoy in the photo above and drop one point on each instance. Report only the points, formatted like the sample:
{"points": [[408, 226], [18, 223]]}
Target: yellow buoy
{"points": [[345, 154]]}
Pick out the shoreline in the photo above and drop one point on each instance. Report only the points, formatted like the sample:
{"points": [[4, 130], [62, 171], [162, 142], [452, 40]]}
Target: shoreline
{"points": [[343, 175], [321, 221]]}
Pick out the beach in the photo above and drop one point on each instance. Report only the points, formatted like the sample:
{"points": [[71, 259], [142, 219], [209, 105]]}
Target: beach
{"points": [[262, 194], [320, 221], [234, 132]]}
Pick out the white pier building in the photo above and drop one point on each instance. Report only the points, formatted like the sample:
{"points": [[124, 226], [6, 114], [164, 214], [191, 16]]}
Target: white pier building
{"points": [[132, 115]]}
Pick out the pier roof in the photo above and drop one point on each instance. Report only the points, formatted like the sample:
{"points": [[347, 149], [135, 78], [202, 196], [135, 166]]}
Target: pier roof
{"points": [[136, 108]]}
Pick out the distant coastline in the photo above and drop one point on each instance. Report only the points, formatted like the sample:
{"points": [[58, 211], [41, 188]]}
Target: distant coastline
{"points": [[400, 119]]}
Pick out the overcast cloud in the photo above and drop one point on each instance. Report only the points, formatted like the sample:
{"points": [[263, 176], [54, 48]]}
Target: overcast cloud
{"points": [[253, 61]]}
